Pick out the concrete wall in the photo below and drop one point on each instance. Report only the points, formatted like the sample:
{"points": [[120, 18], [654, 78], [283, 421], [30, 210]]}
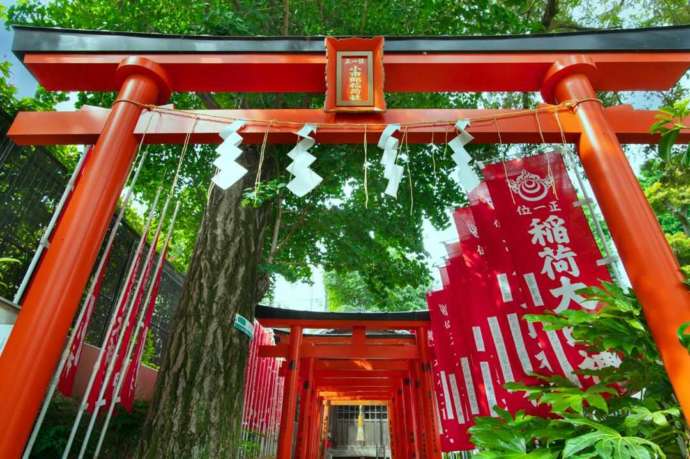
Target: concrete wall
{"points": [[146, 379]]}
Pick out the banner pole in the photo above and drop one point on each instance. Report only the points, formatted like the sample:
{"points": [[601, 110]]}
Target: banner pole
{"points": [[94, 281]]}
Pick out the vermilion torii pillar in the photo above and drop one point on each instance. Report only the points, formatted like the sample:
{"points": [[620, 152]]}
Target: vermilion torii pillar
{"points": [[651, 266], [290, 391], [29, 358], [427, 393]]}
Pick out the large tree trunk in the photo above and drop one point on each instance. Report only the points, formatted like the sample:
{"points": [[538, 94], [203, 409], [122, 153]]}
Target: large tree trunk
{"points": [[197, 406]]}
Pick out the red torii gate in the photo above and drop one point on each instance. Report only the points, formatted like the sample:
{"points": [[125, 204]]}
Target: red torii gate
{"points": [[144, 69], [394, 369]]}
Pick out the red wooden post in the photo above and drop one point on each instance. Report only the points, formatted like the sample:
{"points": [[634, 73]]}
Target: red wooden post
{"points": [[414, 441], [432, 429], [306, 416], [404, 418], [287, 419], [409, 426], [317, 420], [419, 407], [651, 266], [36, 342], [393, 428]]}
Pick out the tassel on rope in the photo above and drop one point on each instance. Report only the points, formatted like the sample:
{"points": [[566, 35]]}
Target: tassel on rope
{"points": [[433, 154], [407, 158], [503, 159], [366, 170], [262, 153], [548, 161]]}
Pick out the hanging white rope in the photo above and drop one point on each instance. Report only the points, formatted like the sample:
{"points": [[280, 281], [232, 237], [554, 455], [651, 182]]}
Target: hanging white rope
{"points": [[140, 322], [130, 307], [127, 317], [229, 171], [304, 179], [571, 157], [466, 176], [391, 171], [111, 325], [45, 238], [92, 286]]}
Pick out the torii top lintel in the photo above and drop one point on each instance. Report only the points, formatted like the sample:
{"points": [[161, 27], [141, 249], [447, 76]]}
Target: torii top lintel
{"points": [[74, 60], [286, 318]]}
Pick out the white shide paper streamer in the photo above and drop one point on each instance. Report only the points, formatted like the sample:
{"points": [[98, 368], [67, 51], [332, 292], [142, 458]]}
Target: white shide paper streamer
{"points": [[391, 171], [466, 176], [229, 171], [304, 179]]}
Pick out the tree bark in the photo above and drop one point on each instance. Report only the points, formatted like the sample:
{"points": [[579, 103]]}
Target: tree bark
{"points": [[197, 406]]}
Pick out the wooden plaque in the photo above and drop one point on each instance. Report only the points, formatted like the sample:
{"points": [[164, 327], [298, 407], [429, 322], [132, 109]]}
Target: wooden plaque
{"points": [[354, 75]]}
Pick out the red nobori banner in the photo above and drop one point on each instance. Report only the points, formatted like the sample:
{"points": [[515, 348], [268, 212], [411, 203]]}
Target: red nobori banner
{"points": [[129, 385], [491, 331], [526, 354], [475, 402], [449, 384], [552, 247], [261, 392], [69, 372]]}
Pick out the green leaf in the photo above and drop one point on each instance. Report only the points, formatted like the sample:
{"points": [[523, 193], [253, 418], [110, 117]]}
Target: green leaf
{"points": [[666, 143], [684, 335], [577, 444]]}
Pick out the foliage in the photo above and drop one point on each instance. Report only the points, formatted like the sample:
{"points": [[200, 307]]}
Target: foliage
{"points": [[250, 445], [684, 335], [666, 181], [669, 124], [349, 292], [4, 261], [121, 441], [629, 413], [331, 226], [148, 357]]}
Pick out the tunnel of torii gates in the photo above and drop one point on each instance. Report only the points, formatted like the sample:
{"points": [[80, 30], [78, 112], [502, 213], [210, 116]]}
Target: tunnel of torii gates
{"points": [[144, 69]]}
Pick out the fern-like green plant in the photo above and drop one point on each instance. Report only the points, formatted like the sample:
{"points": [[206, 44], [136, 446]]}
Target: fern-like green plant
{"points": [[630, 413]]}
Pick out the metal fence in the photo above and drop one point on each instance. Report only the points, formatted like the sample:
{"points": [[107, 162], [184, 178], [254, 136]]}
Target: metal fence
{"points": [[31, 183], [348, 439]]}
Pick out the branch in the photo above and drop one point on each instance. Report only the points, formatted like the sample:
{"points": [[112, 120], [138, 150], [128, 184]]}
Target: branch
{"points": [[569, 25], [208, 100], [286, 16], [293, 228], [550, 11]]}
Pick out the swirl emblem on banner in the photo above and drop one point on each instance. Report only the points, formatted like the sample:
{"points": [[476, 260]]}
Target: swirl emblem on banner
{"points": [[530, 187]]}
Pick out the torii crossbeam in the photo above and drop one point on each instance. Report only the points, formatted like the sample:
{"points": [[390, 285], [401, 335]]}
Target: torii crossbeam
{"points": [[146, 68]]}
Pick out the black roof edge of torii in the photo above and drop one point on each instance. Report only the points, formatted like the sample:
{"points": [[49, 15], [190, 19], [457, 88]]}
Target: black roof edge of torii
{"points": [[268, 312], [30, 39]]}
